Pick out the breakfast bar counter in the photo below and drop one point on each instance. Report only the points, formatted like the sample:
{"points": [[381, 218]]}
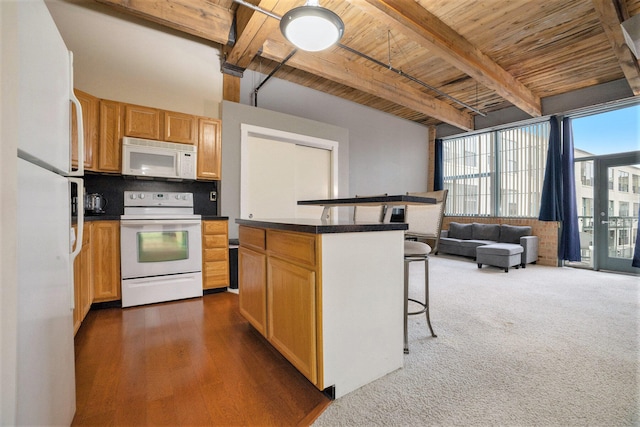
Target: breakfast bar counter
{"points": [[328, 295]]}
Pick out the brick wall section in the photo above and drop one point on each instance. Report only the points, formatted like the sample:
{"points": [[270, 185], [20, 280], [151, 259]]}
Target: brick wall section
{"points": [[547, 233]]}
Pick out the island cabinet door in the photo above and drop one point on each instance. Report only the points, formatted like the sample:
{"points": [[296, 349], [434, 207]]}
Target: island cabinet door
{"points": [[291, 308], [252, 277]]}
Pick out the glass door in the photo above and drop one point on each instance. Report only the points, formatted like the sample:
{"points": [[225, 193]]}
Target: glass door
{"points": [[615, 219]]}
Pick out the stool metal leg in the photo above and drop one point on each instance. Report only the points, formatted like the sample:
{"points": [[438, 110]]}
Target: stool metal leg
{"points": [[425, 304], [406, 304], [426, 295]]}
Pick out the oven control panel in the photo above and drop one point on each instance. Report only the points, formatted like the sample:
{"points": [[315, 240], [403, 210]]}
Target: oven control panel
{"points": [[153, 198]]}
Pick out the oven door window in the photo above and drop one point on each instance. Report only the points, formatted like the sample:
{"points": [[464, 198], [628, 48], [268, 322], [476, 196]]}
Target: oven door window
{"points": [[162, 246]]}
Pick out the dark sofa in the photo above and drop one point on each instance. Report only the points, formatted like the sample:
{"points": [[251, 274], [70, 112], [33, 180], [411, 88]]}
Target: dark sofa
{"points": [[463, 239]]}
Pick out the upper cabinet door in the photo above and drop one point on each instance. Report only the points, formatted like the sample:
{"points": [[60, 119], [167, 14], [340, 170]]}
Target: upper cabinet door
{"points": [[179, 127], [142, 122], [90, 113], [110, 145], [209, 149]]}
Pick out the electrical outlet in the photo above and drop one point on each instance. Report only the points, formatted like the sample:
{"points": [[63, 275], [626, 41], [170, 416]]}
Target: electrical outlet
{"points": [[213, 196]]}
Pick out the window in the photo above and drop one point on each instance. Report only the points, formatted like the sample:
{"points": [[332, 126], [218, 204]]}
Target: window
{"points": [[635, 184], [497, 173], [623, 181], [586, 173], [611, 208], [623, 237], [610, 179], [623, 209], [587, 207]]}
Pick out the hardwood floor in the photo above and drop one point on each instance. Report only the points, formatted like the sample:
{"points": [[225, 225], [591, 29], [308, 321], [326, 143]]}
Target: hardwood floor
{"points": [[194, 362]]}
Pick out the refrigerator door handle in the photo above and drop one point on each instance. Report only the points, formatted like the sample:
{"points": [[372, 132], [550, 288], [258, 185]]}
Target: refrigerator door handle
{"points": [[80, 222], [79, 123]]}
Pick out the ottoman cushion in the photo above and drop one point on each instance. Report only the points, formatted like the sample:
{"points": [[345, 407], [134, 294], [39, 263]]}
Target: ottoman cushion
{"points": [[500, 249]]}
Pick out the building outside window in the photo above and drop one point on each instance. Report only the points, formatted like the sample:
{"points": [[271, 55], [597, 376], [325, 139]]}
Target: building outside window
{"points": [[623, 181], [623, 209], [586, 173], [610, 179]]}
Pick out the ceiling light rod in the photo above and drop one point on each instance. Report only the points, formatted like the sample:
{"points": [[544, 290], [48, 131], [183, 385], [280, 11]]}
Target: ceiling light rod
{"points": [[413, 79], [382, 64], [284, 61], [258, 9]]}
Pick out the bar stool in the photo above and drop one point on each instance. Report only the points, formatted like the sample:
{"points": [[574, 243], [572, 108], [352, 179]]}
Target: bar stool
{"points": [[416, 251]]}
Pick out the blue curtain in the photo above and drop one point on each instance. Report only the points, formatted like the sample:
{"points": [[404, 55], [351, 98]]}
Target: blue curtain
{"points": [[570, 236], [551, 198], [558, 190], [438, 179]]}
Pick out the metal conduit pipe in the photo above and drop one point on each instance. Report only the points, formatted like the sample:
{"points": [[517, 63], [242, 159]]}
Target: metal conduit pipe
{"points": [[284, 61], [347, 48]]}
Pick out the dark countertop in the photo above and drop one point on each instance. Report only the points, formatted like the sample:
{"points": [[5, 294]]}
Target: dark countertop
{"points": [[393, 200], [108, 217], [318, 226]]}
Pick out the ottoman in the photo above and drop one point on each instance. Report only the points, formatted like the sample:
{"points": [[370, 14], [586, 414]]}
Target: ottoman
{"points": [[502, 255]]}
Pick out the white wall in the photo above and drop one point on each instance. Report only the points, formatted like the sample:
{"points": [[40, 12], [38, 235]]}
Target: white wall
{"points": [[233, 115], [8, 214], [123, 58], [386, 154]]}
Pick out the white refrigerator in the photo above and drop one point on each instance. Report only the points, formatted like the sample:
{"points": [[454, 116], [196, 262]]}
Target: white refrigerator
{"points": [[41, 69]]}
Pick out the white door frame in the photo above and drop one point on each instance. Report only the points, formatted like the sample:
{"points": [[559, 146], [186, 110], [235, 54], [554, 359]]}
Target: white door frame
{"points": [[247, 131]]}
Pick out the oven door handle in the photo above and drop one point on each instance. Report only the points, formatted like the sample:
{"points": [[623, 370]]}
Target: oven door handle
{"points": [[142, 222]]}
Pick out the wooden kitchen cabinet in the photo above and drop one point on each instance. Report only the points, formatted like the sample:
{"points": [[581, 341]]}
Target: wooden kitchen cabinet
{"points": [[291, 311], [83, 284], [209, 149], [278, 293], [142, 122], [252, 277], [105, 258], [90, 112], [215, 254], [110, 137], [181, 128]]}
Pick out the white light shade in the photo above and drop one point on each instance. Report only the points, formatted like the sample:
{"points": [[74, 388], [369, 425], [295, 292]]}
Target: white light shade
{"points": [[312, 28]]}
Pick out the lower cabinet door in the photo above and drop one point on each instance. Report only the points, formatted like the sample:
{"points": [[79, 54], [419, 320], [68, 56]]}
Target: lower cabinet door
{"points": [[291, 307], [252, 277]]}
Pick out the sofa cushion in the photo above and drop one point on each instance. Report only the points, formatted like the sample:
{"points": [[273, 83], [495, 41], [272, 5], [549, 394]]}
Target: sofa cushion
{"points": [[513, 233], [485, 232], [459, 231]]}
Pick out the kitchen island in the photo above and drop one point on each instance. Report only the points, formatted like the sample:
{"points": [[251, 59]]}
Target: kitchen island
{"points": [[328, 295]]}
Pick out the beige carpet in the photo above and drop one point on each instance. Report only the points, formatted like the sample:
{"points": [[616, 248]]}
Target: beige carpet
{"points": [[540, 346]]}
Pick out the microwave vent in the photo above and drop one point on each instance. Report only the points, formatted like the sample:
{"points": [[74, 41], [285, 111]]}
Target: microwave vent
{"points": [[127, 140]]}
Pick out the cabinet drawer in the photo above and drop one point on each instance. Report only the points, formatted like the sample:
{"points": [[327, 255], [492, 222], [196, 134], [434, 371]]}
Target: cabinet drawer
{"points": [[292, 246], [252, 237], [215, 241], [214, 227], [217, 254], [216, 271]]}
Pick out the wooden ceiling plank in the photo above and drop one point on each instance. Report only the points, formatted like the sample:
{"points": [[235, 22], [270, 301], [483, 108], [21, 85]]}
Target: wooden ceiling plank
{"points": [[382, 84], [201, 19], [411, 19], [255, 28], [612, 14]]}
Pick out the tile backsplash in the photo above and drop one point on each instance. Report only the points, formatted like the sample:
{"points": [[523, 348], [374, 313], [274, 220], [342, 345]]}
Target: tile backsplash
{"points": [[112, 187]]}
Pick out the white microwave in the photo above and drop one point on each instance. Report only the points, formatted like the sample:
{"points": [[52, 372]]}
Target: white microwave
{"points": [[148, 158]]}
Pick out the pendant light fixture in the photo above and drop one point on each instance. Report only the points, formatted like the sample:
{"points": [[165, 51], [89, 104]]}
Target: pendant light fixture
{"points": [[311, 27]]}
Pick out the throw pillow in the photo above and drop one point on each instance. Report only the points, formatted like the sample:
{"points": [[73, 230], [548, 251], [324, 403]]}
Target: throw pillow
{"points": [[459, 231], [513, 233], [486, 232]]}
